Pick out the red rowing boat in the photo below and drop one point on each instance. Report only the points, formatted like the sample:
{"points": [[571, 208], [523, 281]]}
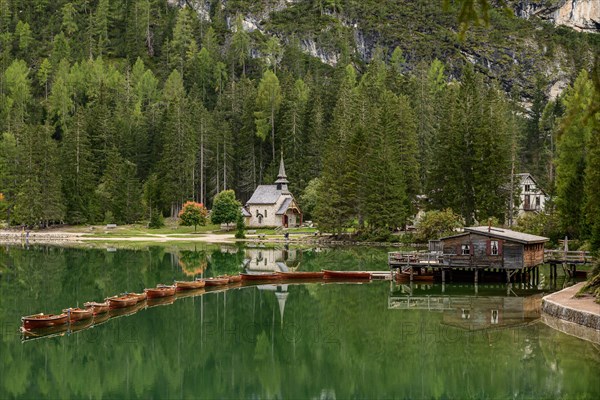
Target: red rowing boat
{"points": [[78, 314], [328, 274], [189, 285], [97, 308], [217, 281], [262, 276], [121, 301], [301, 274], [160, 291], [43, 320]]}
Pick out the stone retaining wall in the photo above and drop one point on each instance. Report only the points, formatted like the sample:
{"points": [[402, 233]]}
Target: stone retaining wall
{"points": [[570, 314]]}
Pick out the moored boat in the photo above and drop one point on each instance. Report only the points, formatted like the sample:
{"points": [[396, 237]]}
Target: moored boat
{"points": [[404, 276], [78, 314], [189, 285], [302, 274], [160, 291], [328, 274], [97, 308], [137, 296], [218, 281], [234, 278], [261, 276], [43, 320], [121, 301]]}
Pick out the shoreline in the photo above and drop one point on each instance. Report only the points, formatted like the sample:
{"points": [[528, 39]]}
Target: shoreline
{"points": [[575, 316], [59, 237]]}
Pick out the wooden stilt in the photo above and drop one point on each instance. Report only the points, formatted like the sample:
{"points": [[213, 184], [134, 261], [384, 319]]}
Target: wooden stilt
{"points": [[411, 274]]}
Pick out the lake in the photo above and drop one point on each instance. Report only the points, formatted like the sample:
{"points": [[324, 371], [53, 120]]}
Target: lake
{"points": [[314, 340]]}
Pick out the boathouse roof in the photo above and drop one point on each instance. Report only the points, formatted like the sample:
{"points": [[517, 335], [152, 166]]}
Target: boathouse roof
{"points": [[507, 234]]}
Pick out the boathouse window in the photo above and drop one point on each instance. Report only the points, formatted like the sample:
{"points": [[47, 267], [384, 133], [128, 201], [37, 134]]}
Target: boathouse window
{"points": [[494, 248], [494, 319], [260, 217], [465, 251], [265, 213], [527, 188], [466, 314]]}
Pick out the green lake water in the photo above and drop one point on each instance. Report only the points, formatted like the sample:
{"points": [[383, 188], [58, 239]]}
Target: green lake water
{"points": [[314, 340]]}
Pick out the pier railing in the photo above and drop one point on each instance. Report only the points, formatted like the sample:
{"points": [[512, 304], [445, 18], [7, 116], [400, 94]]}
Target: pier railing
{"points": [[567, 257], [399, 258]]}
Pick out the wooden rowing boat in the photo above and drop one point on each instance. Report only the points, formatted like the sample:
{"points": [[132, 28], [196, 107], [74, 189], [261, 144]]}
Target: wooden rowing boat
{"points": [[122, 312], [97, 308], [42, 320], [189, 285], [121, 301], [233, 278], [301, 274], [328, 274], [160, 291], [78, 314], [263, 276], [218, 281], [137, 296], [404, 276]]}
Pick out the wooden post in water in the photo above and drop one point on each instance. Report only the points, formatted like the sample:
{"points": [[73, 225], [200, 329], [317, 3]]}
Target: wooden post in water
{"points": [[411, 274]]}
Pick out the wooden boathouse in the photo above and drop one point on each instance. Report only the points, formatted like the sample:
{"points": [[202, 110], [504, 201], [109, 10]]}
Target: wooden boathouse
{"points": [[477, 250]]}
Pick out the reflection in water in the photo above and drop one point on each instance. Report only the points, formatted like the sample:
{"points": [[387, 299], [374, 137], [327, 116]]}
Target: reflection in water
{"points": [[487, 306], [274, 341]]}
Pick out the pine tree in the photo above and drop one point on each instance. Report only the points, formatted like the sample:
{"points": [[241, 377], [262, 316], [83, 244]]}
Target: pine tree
{"points": [[574, 134], [179, 147], [268, 100]]}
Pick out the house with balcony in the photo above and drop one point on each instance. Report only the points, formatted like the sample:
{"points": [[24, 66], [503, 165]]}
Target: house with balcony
{"points": [[532, 196]]}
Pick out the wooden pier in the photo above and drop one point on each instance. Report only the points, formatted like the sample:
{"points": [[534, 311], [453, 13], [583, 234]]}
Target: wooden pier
{"points": [[486, 252], [441, 265]]}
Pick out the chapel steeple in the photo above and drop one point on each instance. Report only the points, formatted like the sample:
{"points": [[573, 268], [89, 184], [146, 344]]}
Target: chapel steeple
{"points": [[282, 182]]}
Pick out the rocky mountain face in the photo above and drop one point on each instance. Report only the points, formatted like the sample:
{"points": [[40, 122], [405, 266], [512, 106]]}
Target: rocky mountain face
{"points": [[519, 53], [581, 15]]}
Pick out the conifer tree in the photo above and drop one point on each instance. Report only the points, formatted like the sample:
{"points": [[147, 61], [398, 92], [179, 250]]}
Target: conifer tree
{"points": [[268, 100], [574, 134]]}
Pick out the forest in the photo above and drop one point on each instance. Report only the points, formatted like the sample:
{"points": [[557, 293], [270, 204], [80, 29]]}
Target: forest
{"points": [[111, 111]]}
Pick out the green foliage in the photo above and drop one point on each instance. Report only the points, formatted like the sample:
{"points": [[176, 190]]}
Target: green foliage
{"points": [[226, 209], [187, 107], [435, 224], [239, 226], [310, 197], [157, 220], [574, 135], [193, 214]]}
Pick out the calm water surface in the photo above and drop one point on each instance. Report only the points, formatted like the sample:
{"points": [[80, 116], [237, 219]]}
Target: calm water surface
{"points": [[373, 340]]}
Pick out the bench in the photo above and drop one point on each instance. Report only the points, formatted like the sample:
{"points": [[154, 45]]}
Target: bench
{"points": [[111, 226]]}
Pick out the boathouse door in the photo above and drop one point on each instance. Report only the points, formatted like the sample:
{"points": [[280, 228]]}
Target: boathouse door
{"points": [[285, 220]]}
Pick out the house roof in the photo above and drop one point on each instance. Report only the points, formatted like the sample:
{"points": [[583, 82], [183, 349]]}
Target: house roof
{"points": [[507, 234], [265, 194], [284, 206], [523, 177], [245, 212]]}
